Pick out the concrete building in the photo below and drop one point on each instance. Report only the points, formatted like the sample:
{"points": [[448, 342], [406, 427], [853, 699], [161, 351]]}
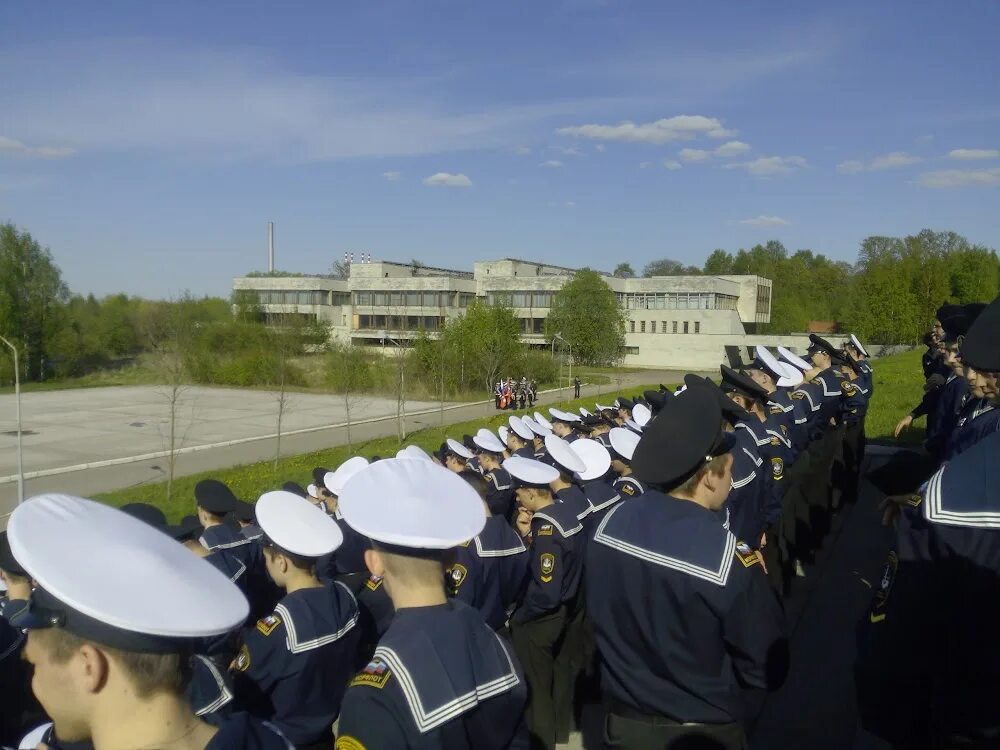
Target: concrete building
{"points": [[673, 321]]}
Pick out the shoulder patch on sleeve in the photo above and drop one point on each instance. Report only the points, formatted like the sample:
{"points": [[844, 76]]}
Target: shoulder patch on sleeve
{"points": [[545, 529], [376, 674], [847, 387], [798, 395], [267, 625], [777, 410], [777, 468], [243, 659], [547, 564], [346, 742], [745, 555], [373, 583], [456, 575], [914, 501], [628, 489]]}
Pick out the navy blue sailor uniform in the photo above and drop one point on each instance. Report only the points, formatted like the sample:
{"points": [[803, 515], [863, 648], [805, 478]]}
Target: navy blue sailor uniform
{"points": [[20, 711], [294, 664], [978, 418], [689, 614], [928, 666], [499, 492], [628, 486], [602, 498], [526, 451], [439, 679], [574, 499], [953, 396], [795, 417], [210, 690], [488, 572], [743, 512]]}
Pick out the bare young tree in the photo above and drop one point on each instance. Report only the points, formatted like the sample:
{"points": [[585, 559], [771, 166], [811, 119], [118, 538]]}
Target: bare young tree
{"points": [[348, 370]]}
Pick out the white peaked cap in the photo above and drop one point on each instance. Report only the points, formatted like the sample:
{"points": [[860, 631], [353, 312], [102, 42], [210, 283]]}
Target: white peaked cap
{"points": [[600, 407], [594, 456], [585, 413], [854, 340], [488, 441], [102, 563], [623, 441], [563, 416], [520, 428], [562, 453], [414, 451], [296, 525], [32, 739], [792, 376], [540, 418], [503, 431], [539, 429], [412, 503], [641, 414], [531, 471], [312, 490], [458, 449], [794, 359], [335, 480], [770, 361]]}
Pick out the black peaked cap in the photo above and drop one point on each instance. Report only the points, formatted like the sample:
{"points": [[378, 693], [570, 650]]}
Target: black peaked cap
{"points": [[732, 411], [818, 343], [946, 311], [146, 513], [742, 384], [7, 561], [677, 443], [214, 496], [319, 474], [981, 347]]}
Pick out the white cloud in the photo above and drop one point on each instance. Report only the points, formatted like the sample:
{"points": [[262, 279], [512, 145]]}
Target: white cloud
{"points": [[721, 133], [11, 146], [975, 153], [948, 178], [570, 204], [645, 164], [568, 150], [923, 140], [522, 150], [392, 176], [732, 148], [892, 160], [765, 166], [766, 221], [666, 130], [447, 179], [600, 147], [553, 163], [671, 164], [693, 154]]}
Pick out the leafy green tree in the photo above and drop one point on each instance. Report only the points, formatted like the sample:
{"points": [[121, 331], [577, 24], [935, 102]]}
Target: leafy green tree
{"points": [[32, 298], [586, 313], [718, 263], [668, 267], [488, 340], [348, 369], [624, 271]]}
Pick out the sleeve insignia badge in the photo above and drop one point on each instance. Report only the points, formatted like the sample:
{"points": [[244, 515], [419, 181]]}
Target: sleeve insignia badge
{"points": [[376, 674], [267, 625], [547, 563], [745, 555]]}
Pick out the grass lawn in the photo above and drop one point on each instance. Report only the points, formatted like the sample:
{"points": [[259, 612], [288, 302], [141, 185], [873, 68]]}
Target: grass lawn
{"points": [[898, 388]]}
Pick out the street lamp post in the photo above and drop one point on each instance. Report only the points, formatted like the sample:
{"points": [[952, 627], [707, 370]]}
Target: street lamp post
{"points": [[17, 400], [560, 337]]}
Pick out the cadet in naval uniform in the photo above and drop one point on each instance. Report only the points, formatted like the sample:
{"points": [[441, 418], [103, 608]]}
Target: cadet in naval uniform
{"points": [[294, 663], [690, 616], [539, 433], [623, 443], [595, 480], [349, 558], [551, 603], [564, 424], [105, 668], [19, 710], [456, 456], [214, 501], [440, 677], [520, 438], [501, 490], [565, 460]]}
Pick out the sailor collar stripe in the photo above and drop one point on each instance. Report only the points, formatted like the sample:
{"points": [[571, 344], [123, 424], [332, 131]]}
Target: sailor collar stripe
{"points": [[428, 720], [482, 552], [737, 483], [813, 406], [239, 573], [224, 695], [826, 388], [291, 637], [493, 478], [752, 457], [934, 510], [607, 503], [784, 441], [718, 576], [565, 532], [784, 408], [227, 545], [760, 441]]}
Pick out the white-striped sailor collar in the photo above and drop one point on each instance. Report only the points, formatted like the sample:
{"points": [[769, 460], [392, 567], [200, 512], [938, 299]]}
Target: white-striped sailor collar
{"points": [[934, 508], [784, 407], [482, 551], [629, 479], [224, 695], [209, 533], [718, 575], [429, 719], [566, 532], [760, 438], [605, 503], [777, 434], [824, 378], [812, 404], [492, 476], [292, 635]]}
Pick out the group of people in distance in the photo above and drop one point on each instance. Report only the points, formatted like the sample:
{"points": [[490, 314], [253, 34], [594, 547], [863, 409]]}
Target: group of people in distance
{"points": [[928, 666], [515, 394], [474, 596]]}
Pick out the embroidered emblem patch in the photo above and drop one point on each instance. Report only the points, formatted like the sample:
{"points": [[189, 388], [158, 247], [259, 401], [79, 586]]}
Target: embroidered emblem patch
{"points": [[545, 529], [775, 441], [346, 742], [884, 587], [847, 387], [547, 564], [777, 468], [914, 501], [267, 625], [628, 489], [373, 583], [784, 430], [376, 674], [456, 577], [243, 659], [746, 555], [798, 395], [777, 410]]}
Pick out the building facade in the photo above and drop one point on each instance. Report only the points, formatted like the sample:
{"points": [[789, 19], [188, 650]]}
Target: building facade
{"points": [[673, 321]]}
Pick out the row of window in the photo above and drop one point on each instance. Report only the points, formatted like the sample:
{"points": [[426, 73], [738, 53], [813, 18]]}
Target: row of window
{"points": [[521, 299], [677, 301], [413, 299], [532, 325], [398, 322], [675, 326], [280, 297]]}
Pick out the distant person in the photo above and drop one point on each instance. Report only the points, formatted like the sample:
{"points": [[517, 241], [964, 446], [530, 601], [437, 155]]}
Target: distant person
{"points": [[576, 387]]}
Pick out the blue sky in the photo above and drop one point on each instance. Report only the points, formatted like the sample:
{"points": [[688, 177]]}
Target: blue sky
{"points": [[147, 144]]}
